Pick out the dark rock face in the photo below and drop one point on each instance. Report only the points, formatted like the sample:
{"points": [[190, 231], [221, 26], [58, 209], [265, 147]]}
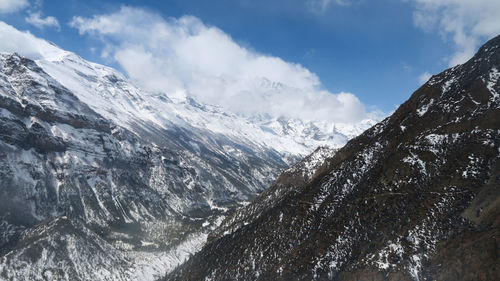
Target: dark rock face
{"points": [[416, 197]]}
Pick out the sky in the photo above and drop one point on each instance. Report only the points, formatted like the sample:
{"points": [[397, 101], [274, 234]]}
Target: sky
{"points": [[335, 60]]}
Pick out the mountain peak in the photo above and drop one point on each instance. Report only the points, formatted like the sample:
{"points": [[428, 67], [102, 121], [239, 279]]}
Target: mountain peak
{"points": [[490, 50]]}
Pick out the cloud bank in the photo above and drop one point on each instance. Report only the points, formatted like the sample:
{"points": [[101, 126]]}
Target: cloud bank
{"points": [[184, 56], [468, 22]]}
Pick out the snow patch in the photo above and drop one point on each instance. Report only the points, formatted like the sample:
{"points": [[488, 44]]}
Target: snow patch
{"points": [[423, 109]]}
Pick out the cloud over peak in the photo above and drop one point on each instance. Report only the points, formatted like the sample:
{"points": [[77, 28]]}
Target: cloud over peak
{"points": [[184, 56]]}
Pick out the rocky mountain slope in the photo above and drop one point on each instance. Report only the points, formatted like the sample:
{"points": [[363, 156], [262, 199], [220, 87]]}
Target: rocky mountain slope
{"points": [[415, 197], [100, 180]]}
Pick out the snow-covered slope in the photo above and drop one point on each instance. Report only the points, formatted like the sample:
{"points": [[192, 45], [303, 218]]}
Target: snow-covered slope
{"points": [[126, 105], [85, 154]]}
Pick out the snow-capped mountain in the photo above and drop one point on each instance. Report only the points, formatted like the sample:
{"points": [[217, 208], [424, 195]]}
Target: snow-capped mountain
{"points": [[111, 95], [415, 197], [100, 180]]}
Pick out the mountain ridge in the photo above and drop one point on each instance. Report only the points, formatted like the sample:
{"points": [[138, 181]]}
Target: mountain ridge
{"points": [[415, 192]]}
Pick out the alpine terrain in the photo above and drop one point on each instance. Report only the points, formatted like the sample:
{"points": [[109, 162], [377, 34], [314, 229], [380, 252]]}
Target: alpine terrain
{"points": [[100, 180], [415, 197]]}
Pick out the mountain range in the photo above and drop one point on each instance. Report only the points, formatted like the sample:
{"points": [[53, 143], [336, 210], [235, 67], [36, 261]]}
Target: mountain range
{"points": [[102, 180]]}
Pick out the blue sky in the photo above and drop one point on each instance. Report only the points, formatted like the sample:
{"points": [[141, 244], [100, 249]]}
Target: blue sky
{"points": [[375, 49]]}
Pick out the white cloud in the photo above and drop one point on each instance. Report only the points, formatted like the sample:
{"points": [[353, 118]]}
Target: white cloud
{"points": [[183, 55], [10, 6], [323, 5], [424, 77], [468, 22], [38, 21]]}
